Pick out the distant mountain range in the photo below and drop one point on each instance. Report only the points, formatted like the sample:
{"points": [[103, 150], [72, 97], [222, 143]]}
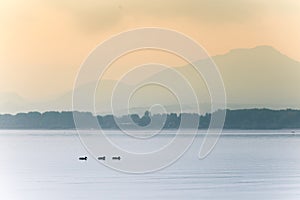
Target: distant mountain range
{"points": [[257, 77]]}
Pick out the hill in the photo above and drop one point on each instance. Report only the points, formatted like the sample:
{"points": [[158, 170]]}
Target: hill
{"points": [[254, 77]]}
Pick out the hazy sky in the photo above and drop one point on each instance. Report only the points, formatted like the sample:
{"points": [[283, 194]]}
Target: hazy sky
{"points": [[43, 42]]}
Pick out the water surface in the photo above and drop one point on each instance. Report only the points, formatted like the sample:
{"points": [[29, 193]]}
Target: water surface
{"points": [[44, 165]]}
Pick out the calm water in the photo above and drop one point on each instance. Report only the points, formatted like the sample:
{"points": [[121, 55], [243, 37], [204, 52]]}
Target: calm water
{"points": [[37, 165]]}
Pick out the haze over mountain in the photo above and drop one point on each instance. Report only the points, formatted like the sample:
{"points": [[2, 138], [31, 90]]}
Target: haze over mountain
{"points": [[261, 75], [256, 77]]}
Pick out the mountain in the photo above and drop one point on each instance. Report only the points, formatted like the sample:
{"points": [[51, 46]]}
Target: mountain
{"points": [[12, 103], [256, 77], [260, 76]]}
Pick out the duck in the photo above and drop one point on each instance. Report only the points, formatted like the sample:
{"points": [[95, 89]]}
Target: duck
{"points": [[101, 158], [83, 158], [116, 158]]}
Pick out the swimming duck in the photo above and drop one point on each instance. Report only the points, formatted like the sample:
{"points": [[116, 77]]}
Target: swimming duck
{"points": [[101, 158], [83, 158], [116, 158]]}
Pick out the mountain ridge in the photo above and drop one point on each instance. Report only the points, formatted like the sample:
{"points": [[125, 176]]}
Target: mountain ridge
{"points": [[252, 76]]}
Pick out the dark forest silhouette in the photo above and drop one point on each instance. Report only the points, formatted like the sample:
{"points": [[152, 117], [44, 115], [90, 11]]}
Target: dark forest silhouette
{"points": [[235, 119]]}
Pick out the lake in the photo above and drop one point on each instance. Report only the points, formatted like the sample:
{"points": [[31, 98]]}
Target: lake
{"points": [[42, 164]]}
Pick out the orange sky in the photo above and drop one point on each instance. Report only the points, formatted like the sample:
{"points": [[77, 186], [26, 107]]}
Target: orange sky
{"points": [[43, 42]]}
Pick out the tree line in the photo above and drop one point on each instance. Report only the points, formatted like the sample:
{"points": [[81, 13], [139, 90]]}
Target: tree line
{"points": [[235, 119]]}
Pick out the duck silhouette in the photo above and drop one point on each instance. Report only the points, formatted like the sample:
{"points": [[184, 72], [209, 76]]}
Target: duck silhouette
{"points": [[116, 158], [101, 158], [83, 158]]}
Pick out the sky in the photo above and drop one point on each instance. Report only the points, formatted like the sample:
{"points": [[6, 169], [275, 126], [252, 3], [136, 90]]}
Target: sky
{"points": [[43, 42]]}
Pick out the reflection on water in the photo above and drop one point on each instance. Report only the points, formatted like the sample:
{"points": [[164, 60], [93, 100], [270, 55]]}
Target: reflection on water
{"points": [[44, 165]]}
